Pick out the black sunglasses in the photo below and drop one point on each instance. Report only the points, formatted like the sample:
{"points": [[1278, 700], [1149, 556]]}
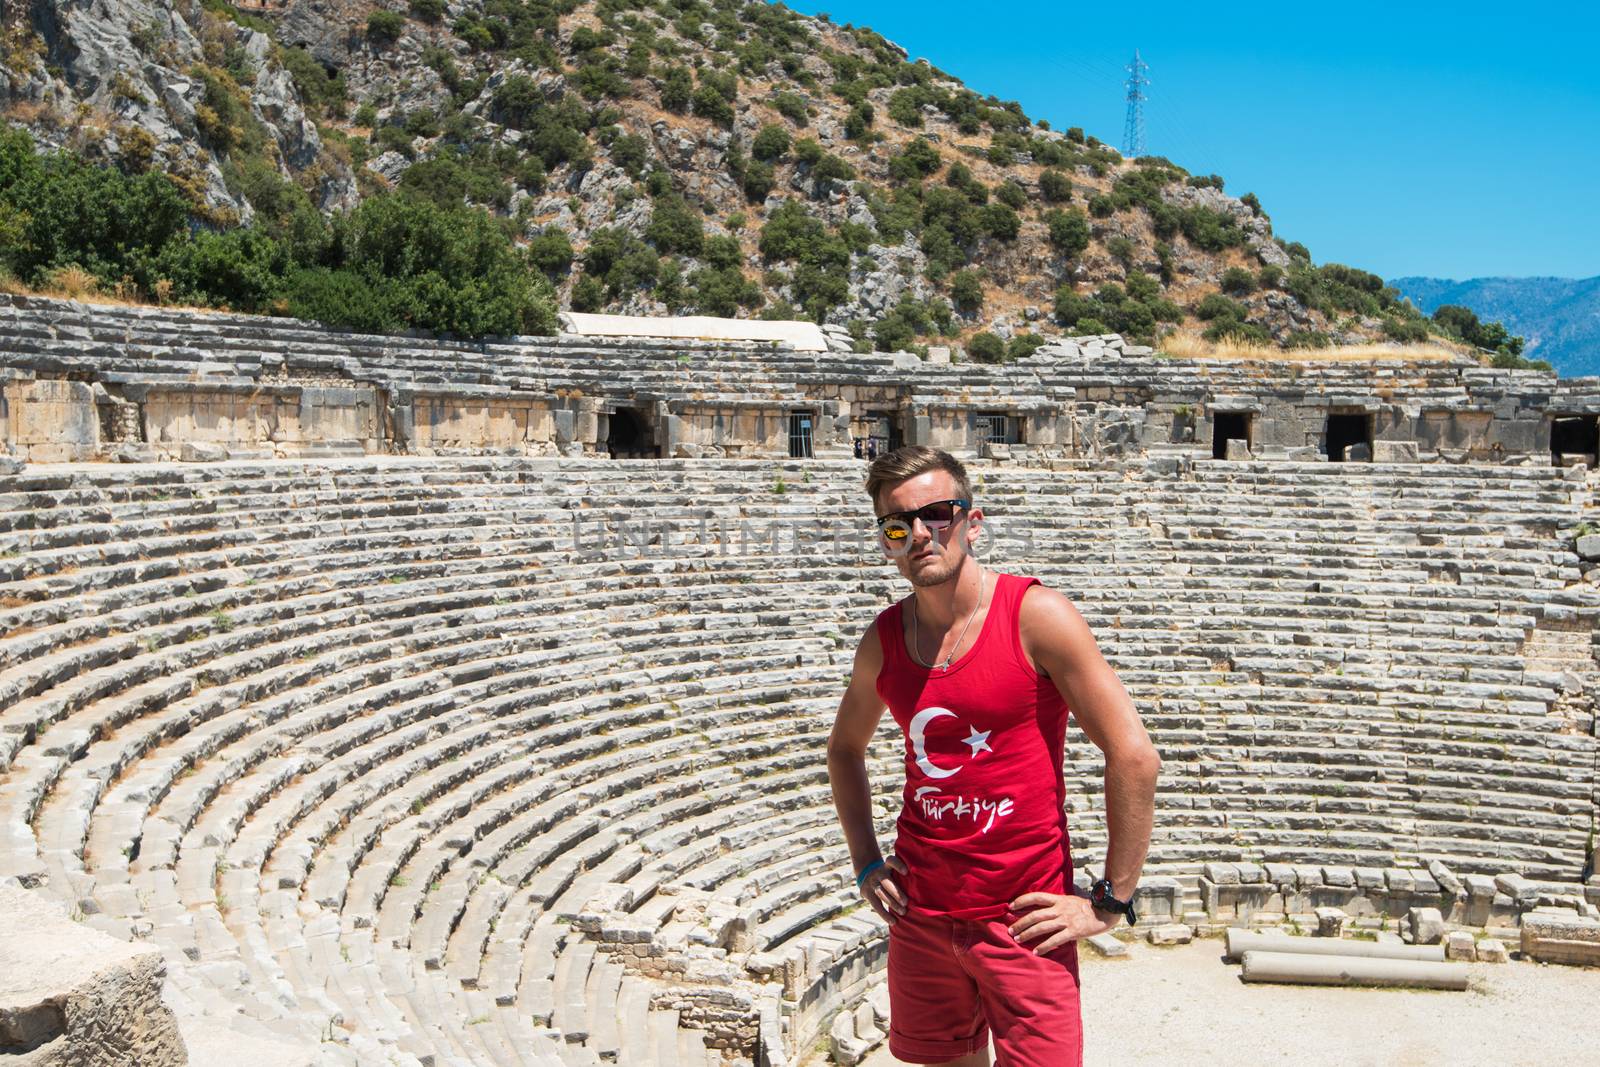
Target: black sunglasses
{"points": [[935, 516]]}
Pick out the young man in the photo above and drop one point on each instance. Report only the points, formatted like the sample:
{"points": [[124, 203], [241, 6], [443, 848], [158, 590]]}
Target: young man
{"points": [[980, 669]]}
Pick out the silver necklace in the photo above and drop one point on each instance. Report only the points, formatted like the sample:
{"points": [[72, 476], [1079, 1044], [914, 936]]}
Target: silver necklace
{"points": [[983, 578]]}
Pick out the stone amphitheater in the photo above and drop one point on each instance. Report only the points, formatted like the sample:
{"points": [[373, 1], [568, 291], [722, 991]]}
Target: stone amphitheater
{"points": [[381, 700]]}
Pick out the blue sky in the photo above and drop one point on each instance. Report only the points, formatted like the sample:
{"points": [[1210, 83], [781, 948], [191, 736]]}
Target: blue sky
{"points": [[1407, 139]]}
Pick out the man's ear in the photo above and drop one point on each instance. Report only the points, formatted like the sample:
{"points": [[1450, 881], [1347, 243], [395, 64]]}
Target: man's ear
{"points": [[974, 526]]}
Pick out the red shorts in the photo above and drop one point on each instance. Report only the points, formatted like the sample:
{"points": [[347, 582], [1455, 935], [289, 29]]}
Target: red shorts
{"points": [[953, 982]]}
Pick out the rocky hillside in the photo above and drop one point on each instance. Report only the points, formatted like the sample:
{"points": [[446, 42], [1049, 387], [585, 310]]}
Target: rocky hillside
{"points": [[678, 156]]}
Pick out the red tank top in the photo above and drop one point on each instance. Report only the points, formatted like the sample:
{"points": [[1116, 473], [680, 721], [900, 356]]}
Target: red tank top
{"points": [[983, 819]]}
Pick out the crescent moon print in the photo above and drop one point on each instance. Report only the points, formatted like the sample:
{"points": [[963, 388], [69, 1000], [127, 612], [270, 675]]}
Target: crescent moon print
{"points": [[916, 732]]}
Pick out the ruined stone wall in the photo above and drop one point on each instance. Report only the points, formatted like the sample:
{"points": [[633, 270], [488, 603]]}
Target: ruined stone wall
{"points": [[143, 383]]}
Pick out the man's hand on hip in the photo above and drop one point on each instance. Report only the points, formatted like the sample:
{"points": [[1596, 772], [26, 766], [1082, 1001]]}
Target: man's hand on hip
{"points": [[884, 894], [1057, 918]]}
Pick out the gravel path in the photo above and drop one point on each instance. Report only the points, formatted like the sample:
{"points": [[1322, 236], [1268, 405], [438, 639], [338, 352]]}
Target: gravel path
{"points": [[1184, 1007]]}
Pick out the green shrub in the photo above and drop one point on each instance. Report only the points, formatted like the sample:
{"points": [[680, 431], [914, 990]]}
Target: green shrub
{"points": [[1012, 195], [428, 10], [917, 160], [1236, 330], [676, 90], [1511, 361], [551, 252], [1071, 307], [757, 181], [966, 291], [808, 151], [621, 260], [985, 347], [1102, 206], [1001, 222], [322, 93], [1271, 276], [1055, 186], [1217, 306], [1464, 325], [1069, 232], [1251, 201], [675, 227], [831, 168], [1210, 230], [722, 251], [588, 294], [1168, 260], [1405, 330], [770, 143], [791, 106], [1023, 345], [385, 27], [1236, 281], [630, 152], [723, 291], [1121, 249], [710, 104], [1142, 287], [788, 231], [858, 123], [400, 262], [1307, 339], [905, 108]]}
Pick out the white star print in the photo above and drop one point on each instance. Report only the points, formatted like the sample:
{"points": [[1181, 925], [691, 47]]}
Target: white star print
{"points": [[979, 740]]}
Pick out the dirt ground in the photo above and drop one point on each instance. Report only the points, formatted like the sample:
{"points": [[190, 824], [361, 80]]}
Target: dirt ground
{"points": [[1184, 1007]]}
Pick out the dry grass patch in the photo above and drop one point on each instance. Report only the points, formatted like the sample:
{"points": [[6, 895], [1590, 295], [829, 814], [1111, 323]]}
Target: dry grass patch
{"points": [[1185, 344]]}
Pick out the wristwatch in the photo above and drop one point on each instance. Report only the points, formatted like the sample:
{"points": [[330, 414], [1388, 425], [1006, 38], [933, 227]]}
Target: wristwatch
{"points": [[1101, 896]]}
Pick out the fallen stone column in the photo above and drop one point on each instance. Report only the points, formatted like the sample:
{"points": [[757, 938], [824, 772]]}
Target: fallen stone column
{"points": [[1300, 968], [1242, 941]]}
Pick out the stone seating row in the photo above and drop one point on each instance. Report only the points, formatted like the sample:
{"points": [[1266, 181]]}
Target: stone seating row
{"points": [[261, 831]]}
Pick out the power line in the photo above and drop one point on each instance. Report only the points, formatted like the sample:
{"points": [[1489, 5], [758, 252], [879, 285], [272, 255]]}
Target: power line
{"points": [[1133, 129]]}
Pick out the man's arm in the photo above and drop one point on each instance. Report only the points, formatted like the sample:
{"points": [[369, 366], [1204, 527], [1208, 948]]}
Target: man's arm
{"points": [[853, 728], [1059, 642]]}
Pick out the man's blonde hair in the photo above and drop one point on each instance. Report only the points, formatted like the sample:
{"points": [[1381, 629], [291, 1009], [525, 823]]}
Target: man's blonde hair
{"points": [[892, 468]]}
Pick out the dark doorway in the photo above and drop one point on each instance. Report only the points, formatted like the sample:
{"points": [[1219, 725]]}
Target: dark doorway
{"points": [[801, 434], [629, 436], [1573, 435], [1344, 431], [876, 433], [996, 428], [1228, 426]]}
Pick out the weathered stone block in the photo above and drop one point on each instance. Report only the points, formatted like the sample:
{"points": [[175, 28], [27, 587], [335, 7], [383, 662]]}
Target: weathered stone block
{"points": [[1492, 950], [1394, 452], [1459, 945], [1425, 925], [1561, 937], [73, 997], [1170, 934]]}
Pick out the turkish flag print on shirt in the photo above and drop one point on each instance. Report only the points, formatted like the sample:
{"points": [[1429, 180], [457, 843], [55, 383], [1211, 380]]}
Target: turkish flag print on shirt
{"points": [[983, 820]]}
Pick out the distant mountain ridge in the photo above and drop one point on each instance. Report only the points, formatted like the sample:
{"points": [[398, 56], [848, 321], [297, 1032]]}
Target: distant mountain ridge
{"points": [[1558, 317]]}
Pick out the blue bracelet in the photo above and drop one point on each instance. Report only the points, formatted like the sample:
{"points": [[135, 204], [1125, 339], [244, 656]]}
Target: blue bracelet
{"points": [[868, 869]]}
